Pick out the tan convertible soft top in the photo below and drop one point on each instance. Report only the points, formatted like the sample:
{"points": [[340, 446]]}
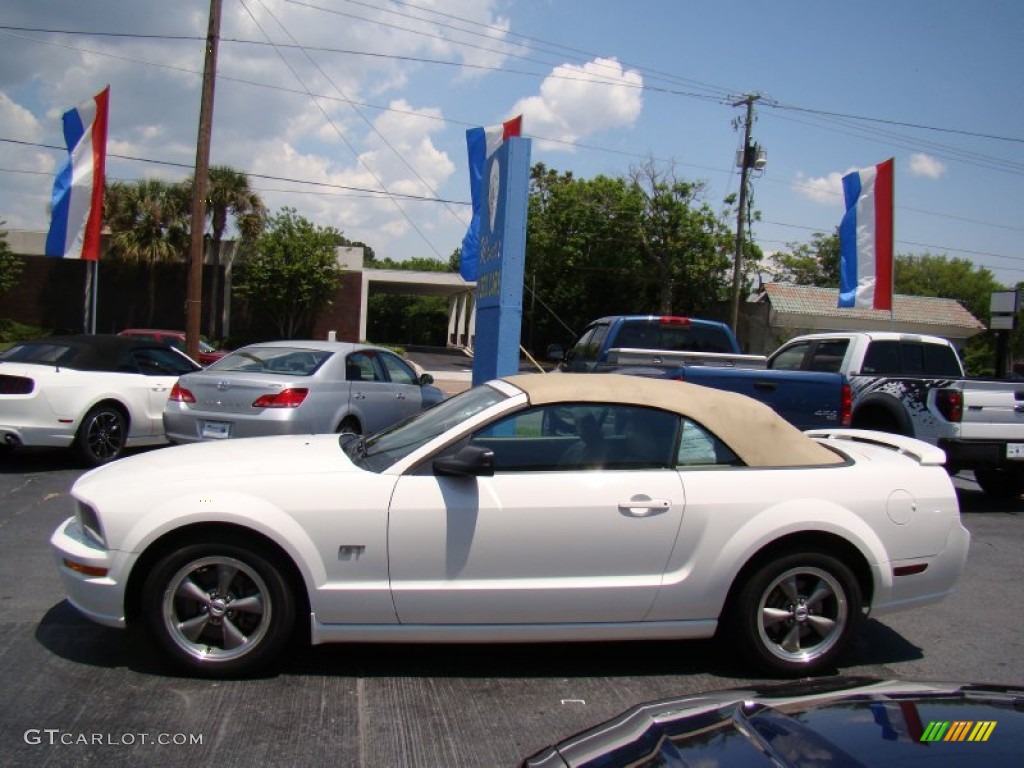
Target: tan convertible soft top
{"points": [[755, 433]]}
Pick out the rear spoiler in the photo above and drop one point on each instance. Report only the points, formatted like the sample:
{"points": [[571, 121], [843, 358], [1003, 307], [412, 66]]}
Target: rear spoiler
{"points": [[925, 453]]}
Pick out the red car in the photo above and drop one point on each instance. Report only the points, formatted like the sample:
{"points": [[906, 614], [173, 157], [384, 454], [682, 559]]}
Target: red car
{"points": [[176, 339]]}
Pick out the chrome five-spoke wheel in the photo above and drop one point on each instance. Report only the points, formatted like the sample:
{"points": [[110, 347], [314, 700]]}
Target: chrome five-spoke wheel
{"points": [[797, 613], [803, 614], [220, 608], [216, 608]]}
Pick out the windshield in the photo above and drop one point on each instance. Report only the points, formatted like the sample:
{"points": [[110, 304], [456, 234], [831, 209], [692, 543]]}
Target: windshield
{"points": [[292, 361], [41, 352], [378, 452]]}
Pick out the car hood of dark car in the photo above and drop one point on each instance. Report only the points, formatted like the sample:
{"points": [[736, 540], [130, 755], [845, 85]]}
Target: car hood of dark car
{"points": [[836, 721]]}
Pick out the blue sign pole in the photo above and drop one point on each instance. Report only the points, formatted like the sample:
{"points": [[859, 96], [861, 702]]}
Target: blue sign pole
{"points": [[499, 288]]}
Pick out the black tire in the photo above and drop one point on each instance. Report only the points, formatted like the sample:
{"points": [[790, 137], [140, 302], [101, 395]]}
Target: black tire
{"points": [[796, 614], [219, 609], [1000, 483], [101, 435]]}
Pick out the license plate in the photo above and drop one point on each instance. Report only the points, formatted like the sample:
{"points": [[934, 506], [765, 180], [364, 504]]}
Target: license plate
{"points": [[218, 430], [1015, 450]]}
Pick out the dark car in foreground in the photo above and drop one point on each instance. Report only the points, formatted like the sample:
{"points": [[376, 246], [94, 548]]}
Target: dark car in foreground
{"points": [[834, 722]]}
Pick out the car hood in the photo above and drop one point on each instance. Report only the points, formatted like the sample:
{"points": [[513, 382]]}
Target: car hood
{"points": [[835, 721], [287, 455]]}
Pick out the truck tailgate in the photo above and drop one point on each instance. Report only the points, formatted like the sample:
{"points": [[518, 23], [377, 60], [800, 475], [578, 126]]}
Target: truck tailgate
{"points": [[993, 410]]}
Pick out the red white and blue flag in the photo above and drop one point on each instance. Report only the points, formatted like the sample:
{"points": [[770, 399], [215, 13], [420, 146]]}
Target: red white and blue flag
{"points": [[866, 239], [77, 203], [481, 143]]}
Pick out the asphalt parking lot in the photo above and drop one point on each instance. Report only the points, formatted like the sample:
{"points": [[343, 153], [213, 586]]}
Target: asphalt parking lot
{"points": [[78, 694]]}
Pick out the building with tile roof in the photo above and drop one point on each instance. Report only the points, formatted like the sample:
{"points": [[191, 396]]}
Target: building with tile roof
{"points": [[780, 311]]}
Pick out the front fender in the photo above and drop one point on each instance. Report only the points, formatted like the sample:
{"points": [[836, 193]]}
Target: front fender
{"points": [[231, 508]]}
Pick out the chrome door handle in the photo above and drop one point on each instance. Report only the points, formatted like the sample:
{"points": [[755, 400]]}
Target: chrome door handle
{"points": [[644, 506]]}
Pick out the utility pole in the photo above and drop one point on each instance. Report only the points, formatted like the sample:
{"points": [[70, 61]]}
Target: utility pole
{"points": [[194, 303], [746, 163]]}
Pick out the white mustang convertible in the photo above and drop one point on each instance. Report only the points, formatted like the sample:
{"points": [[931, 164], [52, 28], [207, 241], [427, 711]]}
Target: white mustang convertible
{"points": [[534, 508]]}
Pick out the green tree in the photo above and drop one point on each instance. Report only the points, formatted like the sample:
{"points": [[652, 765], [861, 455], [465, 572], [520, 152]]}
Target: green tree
{"points": [[959, 279], [684, 245], [228, 196], [646, 243], [10, 265], [814, 263], [292, 275], [149, 224]]}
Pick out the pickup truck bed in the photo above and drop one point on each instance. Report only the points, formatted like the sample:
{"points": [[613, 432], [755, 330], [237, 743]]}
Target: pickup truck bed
{"points": [[706, 352]]}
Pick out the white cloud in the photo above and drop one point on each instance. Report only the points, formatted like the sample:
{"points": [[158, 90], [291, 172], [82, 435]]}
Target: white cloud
{"points": [[824, 190], [576, 102], [16, 122], [926, 165]]}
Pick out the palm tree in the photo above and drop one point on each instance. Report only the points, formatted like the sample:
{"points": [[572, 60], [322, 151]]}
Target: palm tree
{"points": [[148, 222], [229, 194]]}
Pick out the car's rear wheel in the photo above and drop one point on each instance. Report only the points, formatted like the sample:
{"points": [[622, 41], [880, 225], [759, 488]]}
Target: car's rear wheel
{"points": [[797, 613], [218, 609], [349, 426], [101, 435], [1000, 483]]}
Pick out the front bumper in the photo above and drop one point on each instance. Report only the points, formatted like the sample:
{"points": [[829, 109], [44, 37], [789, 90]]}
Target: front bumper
{"points": [[99, 598]]}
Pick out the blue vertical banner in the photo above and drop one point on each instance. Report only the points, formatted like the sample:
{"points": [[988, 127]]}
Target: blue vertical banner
{"points": [[499, 288]]}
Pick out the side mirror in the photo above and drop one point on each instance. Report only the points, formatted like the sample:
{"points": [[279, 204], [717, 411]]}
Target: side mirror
{"points": [[470, 461], [425, 379], [556, 352]]}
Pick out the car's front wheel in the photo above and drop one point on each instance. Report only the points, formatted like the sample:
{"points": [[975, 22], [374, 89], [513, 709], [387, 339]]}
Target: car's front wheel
{"points": [[797, 614], [219, 609], [101, 435]]}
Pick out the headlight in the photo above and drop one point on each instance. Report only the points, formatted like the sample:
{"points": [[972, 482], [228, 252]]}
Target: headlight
{"points": [[90, 523]]}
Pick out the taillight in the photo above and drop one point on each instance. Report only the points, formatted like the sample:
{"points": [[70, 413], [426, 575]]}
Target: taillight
{"points": [[16, 385], [180, 395], [950, 403], [286, 398], [846, 406], [673, 320]]}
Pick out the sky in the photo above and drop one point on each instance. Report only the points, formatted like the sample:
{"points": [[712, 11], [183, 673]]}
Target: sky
{"points": [[354, 112]]}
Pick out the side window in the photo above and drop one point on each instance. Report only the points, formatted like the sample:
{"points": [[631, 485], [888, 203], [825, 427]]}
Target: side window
{"points": [[584, 352], [828, 356], [362, 366], [791, 358], [583, 436], [398, 371], [700, 448], [641, 438], [882, 357], [530, 440]]}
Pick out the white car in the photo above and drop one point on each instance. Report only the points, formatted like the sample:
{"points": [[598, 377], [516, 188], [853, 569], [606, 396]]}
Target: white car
{"points": [[99, 394], [533, 508]]}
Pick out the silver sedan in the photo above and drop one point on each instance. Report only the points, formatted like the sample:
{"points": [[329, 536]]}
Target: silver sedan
{"points": [[297, 387]]}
